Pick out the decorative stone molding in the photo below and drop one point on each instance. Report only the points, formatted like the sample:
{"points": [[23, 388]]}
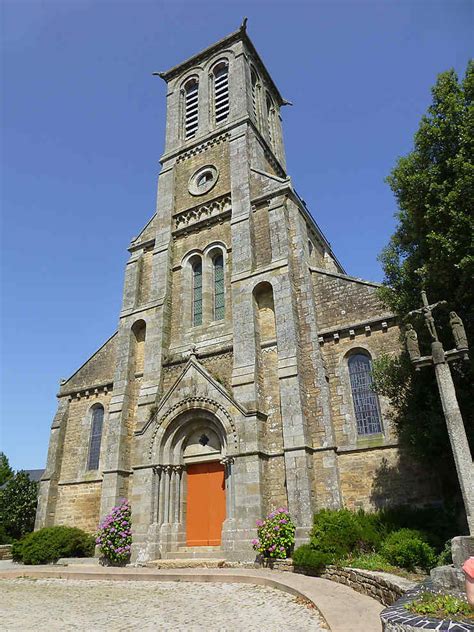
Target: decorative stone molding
{"points": [[208, 213], [270, 349], [88, 392], [202, 147], [187, 404], [353, 329]]}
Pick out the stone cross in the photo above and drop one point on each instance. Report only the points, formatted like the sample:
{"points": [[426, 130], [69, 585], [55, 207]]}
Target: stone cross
{"points": [[457, 433]]}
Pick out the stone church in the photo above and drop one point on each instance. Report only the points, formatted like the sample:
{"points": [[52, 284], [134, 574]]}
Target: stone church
{"points": [[239, 379]]}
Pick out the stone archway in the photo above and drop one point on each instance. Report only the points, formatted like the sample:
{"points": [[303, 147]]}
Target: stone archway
{"points": [[192, 481]]}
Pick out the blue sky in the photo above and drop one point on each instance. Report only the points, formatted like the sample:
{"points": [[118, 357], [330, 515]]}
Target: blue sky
{"points": [[83, 122]]}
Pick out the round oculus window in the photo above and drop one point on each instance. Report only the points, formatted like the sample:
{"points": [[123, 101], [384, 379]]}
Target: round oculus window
{"points": [[203, 180]]}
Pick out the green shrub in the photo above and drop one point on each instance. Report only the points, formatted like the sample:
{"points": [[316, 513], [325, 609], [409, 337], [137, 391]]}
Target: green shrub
{"points": [[408, 548], [369, 562], [307, 558], [445, 557], [373, 531], [49, 544], [338, 533], [439, 524], [441, 606]]}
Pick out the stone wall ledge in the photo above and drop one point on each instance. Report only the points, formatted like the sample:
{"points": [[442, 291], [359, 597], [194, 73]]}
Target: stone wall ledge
{"points": [[384, 587]]}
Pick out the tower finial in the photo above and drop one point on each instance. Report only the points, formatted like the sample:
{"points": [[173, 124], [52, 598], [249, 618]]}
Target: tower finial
{"points": [[243, 26]]}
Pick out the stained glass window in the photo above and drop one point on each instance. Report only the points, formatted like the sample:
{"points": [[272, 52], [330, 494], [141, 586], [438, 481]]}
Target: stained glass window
{"points": [[96, 437], [365, 399], [197, 293], [219, 298]]}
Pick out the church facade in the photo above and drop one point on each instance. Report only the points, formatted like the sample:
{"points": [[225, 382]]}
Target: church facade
{"points": [[239, 378]]}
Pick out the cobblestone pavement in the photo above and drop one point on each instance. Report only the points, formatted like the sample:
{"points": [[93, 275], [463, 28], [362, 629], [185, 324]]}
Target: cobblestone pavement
{"points": [[58, 604]]}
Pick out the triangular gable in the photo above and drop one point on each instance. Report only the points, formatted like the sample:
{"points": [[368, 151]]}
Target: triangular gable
{"points": [[209, 387], [147, 233], [98, 369]]}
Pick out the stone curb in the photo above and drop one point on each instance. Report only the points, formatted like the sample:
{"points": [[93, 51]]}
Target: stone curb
{"points": [[386, 588], [311, 589]]}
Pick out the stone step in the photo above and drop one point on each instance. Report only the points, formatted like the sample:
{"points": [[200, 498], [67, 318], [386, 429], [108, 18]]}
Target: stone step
{"points": [[81, 561], [195, 552], [187, 563]]}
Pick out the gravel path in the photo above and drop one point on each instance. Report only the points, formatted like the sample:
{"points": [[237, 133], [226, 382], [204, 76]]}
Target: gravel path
{"points": [[57, 604]]}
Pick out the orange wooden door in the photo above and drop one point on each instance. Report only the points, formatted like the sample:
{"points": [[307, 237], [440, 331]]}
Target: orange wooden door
{"points": [[205, 504]]}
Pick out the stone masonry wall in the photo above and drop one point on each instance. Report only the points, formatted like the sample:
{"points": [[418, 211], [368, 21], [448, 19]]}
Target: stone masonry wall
{"points": [[261, 236], [336, 354], [374, 478], [79, 505], [343, 302], [77, 438], [217, 155]]}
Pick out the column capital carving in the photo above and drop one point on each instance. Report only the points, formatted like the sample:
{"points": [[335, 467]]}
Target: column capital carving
{"points": [[227, 460]]}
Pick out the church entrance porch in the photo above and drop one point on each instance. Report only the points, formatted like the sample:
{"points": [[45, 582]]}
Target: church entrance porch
{"points": [[206, 504]]}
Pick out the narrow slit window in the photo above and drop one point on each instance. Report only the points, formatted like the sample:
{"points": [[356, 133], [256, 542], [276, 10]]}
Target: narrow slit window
{"points": [[366, 404], [197, 293], [221, 92], [219, 297], [96, 437], [191, 108]]}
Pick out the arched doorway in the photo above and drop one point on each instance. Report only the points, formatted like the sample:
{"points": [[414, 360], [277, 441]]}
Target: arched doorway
{"points": [[192, 486], [205, 494]]}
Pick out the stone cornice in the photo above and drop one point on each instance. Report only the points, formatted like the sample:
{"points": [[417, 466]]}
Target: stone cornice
{"points": [[88, 391], [344, 277], [352, 329], [235, 36]]}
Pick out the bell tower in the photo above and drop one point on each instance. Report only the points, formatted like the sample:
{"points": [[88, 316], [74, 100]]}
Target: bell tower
{"points": [[220, 278]]}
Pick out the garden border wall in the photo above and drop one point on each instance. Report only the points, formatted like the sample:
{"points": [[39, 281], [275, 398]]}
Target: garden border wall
{"points": [[384, 587]]}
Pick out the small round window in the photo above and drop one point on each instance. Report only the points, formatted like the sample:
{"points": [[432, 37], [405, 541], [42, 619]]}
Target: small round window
{"points": [[203, 180]]}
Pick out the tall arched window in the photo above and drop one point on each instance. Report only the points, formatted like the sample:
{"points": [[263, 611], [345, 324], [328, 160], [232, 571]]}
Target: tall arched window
{"points": [[219, 298], [221, 92], [191, 108], [366, 404], [197, 292], [97, 421]]}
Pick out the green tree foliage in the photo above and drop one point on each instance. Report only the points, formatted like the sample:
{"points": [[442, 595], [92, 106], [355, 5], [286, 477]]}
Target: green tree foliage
{"points": [[432, 247], [18, 501], [6, 471]]}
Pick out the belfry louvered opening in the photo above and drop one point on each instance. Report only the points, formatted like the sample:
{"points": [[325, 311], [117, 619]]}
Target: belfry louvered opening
{"points": [[270, 113], [191, 108], [254, 93], [221, 92]]}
